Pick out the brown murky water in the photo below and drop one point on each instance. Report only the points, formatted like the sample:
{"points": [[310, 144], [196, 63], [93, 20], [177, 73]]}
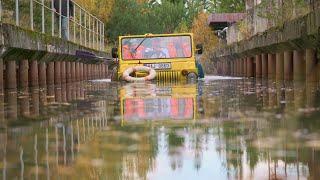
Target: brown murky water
{"points": [[216, 129]]}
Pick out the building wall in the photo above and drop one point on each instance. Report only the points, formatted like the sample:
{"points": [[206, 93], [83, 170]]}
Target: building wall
{"points": [[256, 23]]}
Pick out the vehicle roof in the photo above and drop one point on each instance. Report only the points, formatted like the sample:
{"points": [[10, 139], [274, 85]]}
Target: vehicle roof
{"points": [[157, 35]]}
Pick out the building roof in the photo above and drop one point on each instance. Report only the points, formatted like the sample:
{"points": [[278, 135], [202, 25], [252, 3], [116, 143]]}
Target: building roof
{"points": [[225, 17]]}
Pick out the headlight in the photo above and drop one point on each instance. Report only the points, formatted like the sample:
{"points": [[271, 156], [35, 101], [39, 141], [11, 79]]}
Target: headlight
{"points": [[192, 75]]}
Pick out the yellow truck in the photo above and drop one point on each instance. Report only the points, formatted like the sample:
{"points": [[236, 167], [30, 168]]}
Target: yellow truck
{"points": [[161, 57]]}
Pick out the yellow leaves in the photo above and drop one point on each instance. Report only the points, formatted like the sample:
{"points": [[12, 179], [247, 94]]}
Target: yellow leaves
{"points": [[99, 8], [203, 34]]}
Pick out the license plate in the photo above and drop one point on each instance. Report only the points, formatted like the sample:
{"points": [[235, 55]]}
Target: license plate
{"points": [[159, 65]]}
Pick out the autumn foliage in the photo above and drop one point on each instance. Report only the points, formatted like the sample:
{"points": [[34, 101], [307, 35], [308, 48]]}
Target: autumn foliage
{"points": [[203, 34], [100, 8]]}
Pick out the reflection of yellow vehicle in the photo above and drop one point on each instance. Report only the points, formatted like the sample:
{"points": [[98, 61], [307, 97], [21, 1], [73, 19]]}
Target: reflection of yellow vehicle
{"points": [[149, 102], [172, 56]]}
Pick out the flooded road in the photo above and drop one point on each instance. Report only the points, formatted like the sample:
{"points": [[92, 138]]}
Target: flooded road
{"points": [[214, 129]]}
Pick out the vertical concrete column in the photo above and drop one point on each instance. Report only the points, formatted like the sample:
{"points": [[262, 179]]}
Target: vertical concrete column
{"points": [[92, 71], [249, 67], [11, 75], [299, 65], [73, 71], [288, 65], [34, 74], [102, 71], [12, 103], [239, 67], [57, 72], [271, 66], [77, 71], [236, 67], [85, 71], [1, 75], [222, 68], [98, 71], [244, 67], [258, 66], [23, 103], [42, 74], [81, 71], [264, 59], [68, 72], [24, 73], [311, 65], [107, 70], [232, 68], [35, 108], [95, 71], [89, 71], [279, 67], [63, 72], [50, 73]]}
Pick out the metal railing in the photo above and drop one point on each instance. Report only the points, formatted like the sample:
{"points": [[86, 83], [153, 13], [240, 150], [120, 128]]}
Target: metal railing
{"points": [[78, 25]]}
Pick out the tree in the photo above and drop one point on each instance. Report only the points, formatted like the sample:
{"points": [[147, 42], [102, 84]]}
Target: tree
{"points": [[203, 33], [228, 6], [100, 8], [132, 17]]}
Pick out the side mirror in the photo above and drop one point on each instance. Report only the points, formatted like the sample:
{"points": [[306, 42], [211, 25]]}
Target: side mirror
{"points": [[199, 48], [114, 52]]}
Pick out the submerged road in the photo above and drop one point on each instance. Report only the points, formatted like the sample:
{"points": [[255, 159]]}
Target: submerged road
{"points": [[219, 128]]}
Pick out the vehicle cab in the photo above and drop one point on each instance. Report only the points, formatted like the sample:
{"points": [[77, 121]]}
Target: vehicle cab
{"points": [[172, 56]]}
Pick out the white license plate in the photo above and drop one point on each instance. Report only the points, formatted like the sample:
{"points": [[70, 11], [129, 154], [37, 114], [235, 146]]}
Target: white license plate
{"points": [[159, 65]]}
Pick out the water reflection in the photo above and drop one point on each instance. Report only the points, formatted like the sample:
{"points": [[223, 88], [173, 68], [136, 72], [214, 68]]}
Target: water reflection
{"points": [[227, 129], [41, 130], [140, 102]]}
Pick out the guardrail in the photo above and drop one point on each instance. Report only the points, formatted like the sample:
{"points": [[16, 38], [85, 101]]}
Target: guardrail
{"points": [[76, 25]]}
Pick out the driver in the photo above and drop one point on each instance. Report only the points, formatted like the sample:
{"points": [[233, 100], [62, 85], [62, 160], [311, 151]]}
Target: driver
{"points": [[132, 50]]}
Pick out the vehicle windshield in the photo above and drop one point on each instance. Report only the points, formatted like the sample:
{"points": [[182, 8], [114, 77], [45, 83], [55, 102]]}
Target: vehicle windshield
{"points": [[156, 47]]}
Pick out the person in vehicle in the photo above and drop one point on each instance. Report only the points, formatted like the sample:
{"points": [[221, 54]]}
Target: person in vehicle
{"points": [[186, 49], [172, 50], [126, 50], [155, 51]]}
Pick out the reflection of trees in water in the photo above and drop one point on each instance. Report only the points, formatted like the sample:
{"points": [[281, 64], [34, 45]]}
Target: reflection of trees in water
{"points": [[176, 143], [129, 152], [274, 128]]}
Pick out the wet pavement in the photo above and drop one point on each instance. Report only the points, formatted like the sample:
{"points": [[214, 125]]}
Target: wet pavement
{"points": [[219, 128]]}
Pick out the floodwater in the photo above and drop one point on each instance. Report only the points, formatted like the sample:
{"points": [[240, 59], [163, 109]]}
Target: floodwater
{"points": [[219, 128]]}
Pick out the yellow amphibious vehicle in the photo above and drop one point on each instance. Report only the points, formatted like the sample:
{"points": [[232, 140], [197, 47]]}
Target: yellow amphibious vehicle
{"points": [[162, 57]]}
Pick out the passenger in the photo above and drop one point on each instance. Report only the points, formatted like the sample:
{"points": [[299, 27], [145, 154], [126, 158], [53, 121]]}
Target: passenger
{"points": [[158, 51], [186, 47], [172, 50]]}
